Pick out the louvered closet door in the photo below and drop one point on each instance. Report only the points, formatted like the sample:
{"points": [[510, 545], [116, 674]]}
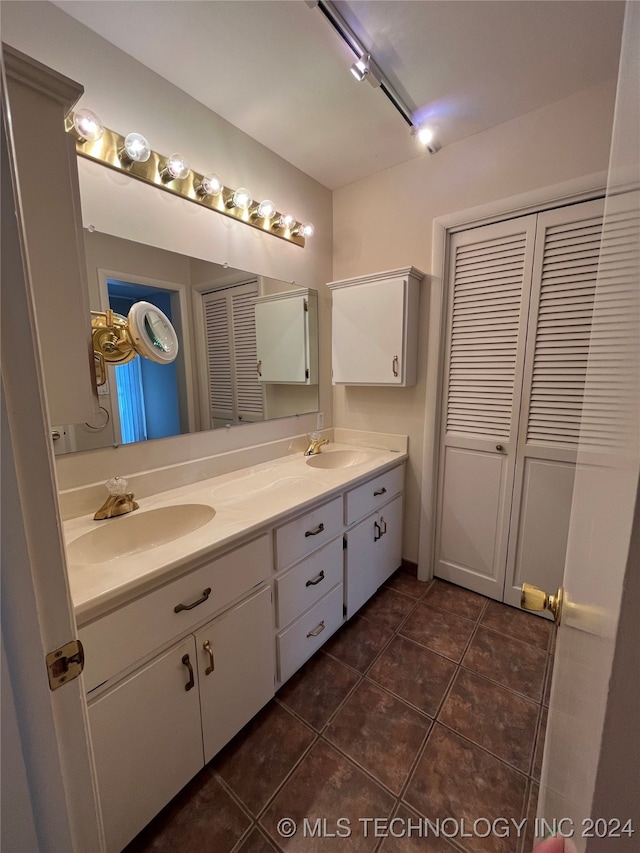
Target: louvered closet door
{"points": [[217, 332], [489, 282], [558, 340]]}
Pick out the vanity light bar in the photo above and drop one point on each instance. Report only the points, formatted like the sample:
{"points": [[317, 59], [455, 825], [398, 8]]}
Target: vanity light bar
{"points": [[109, 150]]}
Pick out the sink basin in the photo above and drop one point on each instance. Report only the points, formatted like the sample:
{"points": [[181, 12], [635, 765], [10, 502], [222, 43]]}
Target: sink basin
{"points": [[338, 459], [138, 531]]}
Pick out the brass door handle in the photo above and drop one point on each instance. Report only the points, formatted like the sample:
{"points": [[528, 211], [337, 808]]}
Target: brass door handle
{"points": [[191, 683], [533, 598], [378, 530], [207, 647], [394, 365], [259, 367]]}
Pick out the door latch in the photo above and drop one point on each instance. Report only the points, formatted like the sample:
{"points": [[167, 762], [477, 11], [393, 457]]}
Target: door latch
{"points": [[65, 664]]}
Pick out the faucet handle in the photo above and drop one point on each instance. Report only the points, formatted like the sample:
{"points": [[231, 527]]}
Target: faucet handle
{"points": [[117, 486]]}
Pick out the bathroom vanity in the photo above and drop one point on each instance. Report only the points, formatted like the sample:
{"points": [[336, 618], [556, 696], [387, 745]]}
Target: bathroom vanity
{"points": [[187, 637]]}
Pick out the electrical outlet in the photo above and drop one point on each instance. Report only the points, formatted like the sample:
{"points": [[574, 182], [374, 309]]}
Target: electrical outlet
{"points": [[320, 421]]}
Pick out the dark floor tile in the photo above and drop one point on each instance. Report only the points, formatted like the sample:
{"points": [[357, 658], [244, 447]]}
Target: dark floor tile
{"points": [[493, 717], [405, 583], [463, 602], [202, 817], [438, 630], [406, 833], [380, 733], [414, 674], [542, 731], [509, 662], [327, 786], [454, 778], [317, 689], [255, 843], [258, 759], [548, 679], [516, 623], [388, 608], [529, 838], [358, 643]]}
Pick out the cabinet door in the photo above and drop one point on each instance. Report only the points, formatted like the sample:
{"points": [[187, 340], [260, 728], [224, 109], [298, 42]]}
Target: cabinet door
{"points": [[389, 548], [235, 668], [146, 742], [282, 338], [362, 575], [368, 328]]}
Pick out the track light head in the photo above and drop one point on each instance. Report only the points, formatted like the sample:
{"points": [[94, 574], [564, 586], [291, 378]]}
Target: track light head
{"points": [[365, 68]]}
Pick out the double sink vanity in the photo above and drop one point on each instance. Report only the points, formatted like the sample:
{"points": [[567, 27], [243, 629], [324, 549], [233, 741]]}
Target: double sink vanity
{"points": [[196, 607]]}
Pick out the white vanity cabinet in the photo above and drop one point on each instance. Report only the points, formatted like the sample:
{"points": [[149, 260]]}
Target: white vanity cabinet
{"points": [[146, 741], [286, 337], [374, 544], [375, 328], [157, 718]]}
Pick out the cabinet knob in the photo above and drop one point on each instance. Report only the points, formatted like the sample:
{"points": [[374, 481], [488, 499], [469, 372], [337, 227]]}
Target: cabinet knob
{"points": [[500, 447]]}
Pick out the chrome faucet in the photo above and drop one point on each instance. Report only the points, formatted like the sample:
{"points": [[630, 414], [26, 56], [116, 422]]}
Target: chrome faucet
{"points": [[315, 444], [119, 502]]}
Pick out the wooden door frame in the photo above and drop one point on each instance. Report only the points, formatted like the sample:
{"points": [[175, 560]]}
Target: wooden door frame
{"points": [[569, 192]]}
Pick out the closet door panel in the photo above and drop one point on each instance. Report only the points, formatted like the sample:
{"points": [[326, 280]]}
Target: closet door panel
{"points": [[558, 345], [473, 494], [489, 283]]}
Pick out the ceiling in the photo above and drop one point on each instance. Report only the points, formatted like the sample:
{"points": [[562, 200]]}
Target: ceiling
{"points": [[277, 70]]}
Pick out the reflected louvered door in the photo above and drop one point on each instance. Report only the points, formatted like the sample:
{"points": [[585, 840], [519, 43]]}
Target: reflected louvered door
{"points": [[249, 390], [488, 285], [558, 343], [217, 328]]}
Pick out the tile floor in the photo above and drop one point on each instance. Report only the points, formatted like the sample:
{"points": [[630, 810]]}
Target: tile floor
{"points": [[429, 703]]}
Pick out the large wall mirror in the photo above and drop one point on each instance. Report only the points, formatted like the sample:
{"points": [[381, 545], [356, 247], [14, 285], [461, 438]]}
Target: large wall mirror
{"points": [[248, 347]]}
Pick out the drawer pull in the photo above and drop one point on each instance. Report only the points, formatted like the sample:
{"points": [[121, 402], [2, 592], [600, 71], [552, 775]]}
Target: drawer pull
{"points": [[316, 580], [317, 630], [377, 531], [207, 647], [394, 365], [381, 491], [315, 532], [205, 594], [191, 683]]}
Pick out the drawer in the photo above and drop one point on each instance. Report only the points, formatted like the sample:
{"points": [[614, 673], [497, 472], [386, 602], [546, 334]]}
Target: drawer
{"points": [[372, 494], [312, 530], [308, 633], [306, 582], [126, 635]]}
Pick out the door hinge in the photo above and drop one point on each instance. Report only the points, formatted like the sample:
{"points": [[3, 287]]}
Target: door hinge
{"points": [[65, 664], [306, 305], [344, 543], [306, 373]]}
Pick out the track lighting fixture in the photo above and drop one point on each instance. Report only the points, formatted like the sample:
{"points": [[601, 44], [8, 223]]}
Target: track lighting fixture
{"points": [[366, 69]]}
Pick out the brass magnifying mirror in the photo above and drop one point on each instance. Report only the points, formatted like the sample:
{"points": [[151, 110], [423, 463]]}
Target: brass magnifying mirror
{"points": [[146, 331]]}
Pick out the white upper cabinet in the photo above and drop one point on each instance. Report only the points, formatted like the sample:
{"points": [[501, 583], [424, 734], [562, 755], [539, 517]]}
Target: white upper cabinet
{"points": [[287, 337], [375, 328]]}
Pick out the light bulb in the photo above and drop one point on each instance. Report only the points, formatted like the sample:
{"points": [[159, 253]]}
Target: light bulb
{"points": [[242, 199], [266, 209], [306, 229], [210, 185], [286, 220], [87, 125], [136, 148], [425, 135], [175, 169]]}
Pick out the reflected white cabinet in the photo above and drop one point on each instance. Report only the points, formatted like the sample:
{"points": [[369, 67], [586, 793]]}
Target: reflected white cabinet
{"points": [[287, 337], [375, 328]]}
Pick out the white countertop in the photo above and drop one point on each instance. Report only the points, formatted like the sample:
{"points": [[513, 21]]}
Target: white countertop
{"points": [[245, 502]]}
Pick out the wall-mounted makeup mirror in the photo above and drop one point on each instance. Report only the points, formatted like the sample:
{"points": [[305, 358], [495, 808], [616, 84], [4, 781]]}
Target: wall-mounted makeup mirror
{"points": [[217, 380]]}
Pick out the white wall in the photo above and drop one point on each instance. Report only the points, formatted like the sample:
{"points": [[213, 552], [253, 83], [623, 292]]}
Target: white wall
{"points": [[128, 96], [385, 222]]}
